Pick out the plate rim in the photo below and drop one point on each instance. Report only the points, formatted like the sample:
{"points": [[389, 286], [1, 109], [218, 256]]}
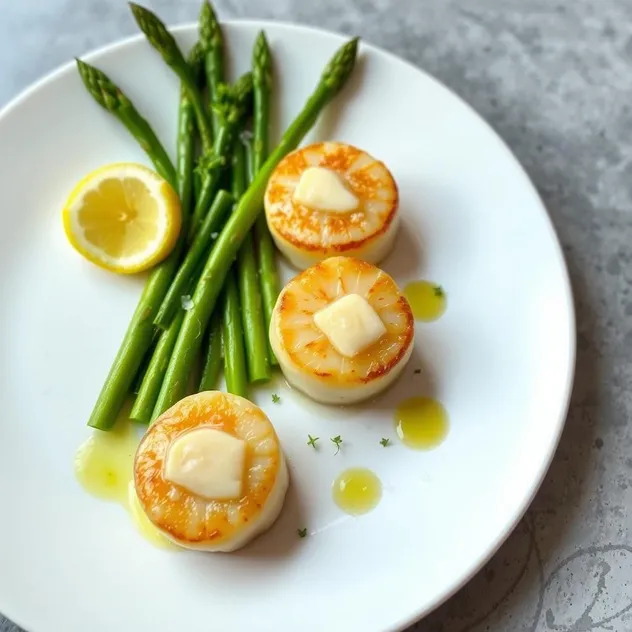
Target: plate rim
{"points": [[401, 623]]}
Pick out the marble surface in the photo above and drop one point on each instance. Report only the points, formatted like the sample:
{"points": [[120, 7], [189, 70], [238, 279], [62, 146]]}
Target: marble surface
{"points": [[553, 77]]}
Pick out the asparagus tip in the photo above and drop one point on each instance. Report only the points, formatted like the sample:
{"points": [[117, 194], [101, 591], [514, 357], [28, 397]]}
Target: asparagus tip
{"points": [[210, 30], [138, 11], [352, 44], [207, 9], [142, 13], [261, 57], [84, 70], [341, 65]]}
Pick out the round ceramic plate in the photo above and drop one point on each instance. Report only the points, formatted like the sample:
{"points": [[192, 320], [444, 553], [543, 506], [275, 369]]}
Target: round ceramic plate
{"points": [[500, 360]]}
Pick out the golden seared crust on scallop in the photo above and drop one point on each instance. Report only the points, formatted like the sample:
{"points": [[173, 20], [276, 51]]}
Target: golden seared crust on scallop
{"points": [[307, 235], [308, 349], [188, 519]]}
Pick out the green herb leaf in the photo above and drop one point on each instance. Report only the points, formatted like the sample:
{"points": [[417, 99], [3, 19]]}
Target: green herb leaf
{"points": [[312, 441], [438, 291], [385, 442], [302, 532], [275, 398], [337, 441]]}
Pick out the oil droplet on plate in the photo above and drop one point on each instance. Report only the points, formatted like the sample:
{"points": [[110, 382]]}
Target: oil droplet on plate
{"points": [[427, 300], [421, 423], [357, 491], [104, 466]]}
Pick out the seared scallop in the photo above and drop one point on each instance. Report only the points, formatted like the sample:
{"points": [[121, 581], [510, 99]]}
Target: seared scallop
{"points": [[210, 472], [332, 199], [342, 331]]}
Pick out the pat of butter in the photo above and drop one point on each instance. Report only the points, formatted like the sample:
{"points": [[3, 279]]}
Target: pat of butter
{"points": [[324, 190], [207, 462], [350, 324]]}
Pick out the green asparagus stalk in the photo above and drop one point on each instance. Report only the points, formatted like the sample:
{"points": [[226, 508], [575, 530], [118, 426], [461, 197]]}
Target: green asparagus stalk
{"points": [[239, 170], [262, 88], [160, 38], [213, 355], [202, 243], [234, 356], [232, 103], [148, 392], [266, 252], [241, 221], [187, 133], [229, 109], [142, 369], [137, 340], [212, 41], [197, 184], [255, 331], [255, 335], [143, 408], [112, 98], [235, 370], [140, 333]]}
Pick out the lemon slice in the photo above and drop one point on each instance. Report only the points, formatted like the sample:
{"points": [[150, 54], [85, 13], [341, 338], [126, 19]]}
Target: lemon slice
{"points": [[123, 217]]}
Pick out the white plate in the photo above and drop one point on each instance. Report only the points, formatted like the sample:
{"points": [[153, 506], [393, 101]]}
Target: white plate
{"points": [[501, 360]]}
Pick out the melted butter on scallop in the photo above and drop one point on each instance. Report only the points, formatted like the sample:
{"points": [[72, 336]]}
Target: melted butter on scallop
{"points": [[210, 472], [342, 331], [332, 199]]}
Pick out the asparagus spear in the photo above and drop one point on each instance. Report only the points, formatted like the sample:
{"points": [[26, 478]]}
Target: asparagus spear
{"points": [[266, 256], [221, 257], [186, 140], [150, 386], [255, 336], [160, 38], [213, 44], [255, 331], [235, 370], [231, 103], [143, 408], [186, 132], [234, 356], [140, 333], [202, 243], [232, 106], [229, 110], [112, 98], [142, 369], [137, 340], [213, 355]]}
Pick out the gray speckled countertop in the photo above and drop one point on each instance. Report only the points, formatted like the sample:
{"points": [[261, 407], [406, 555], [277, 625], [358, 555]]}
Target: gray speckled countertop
{"points": [[554, 78]]}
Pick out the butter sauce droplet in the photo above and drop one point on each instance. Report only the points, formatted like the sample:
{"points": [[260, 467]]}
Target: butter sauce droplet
{"points": [[103, 464], [104, 467], [421, 423], [427, 300], [357, 491]]}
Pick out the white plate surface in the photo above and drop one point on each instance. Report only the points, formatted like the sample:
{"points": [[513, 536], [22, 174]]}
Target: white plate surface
{"points": [[501, 361]]}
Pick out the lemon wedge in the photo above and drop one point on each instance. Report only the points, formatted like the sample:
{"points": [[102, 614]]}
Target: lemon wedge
{"points": [[123, 217]]}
